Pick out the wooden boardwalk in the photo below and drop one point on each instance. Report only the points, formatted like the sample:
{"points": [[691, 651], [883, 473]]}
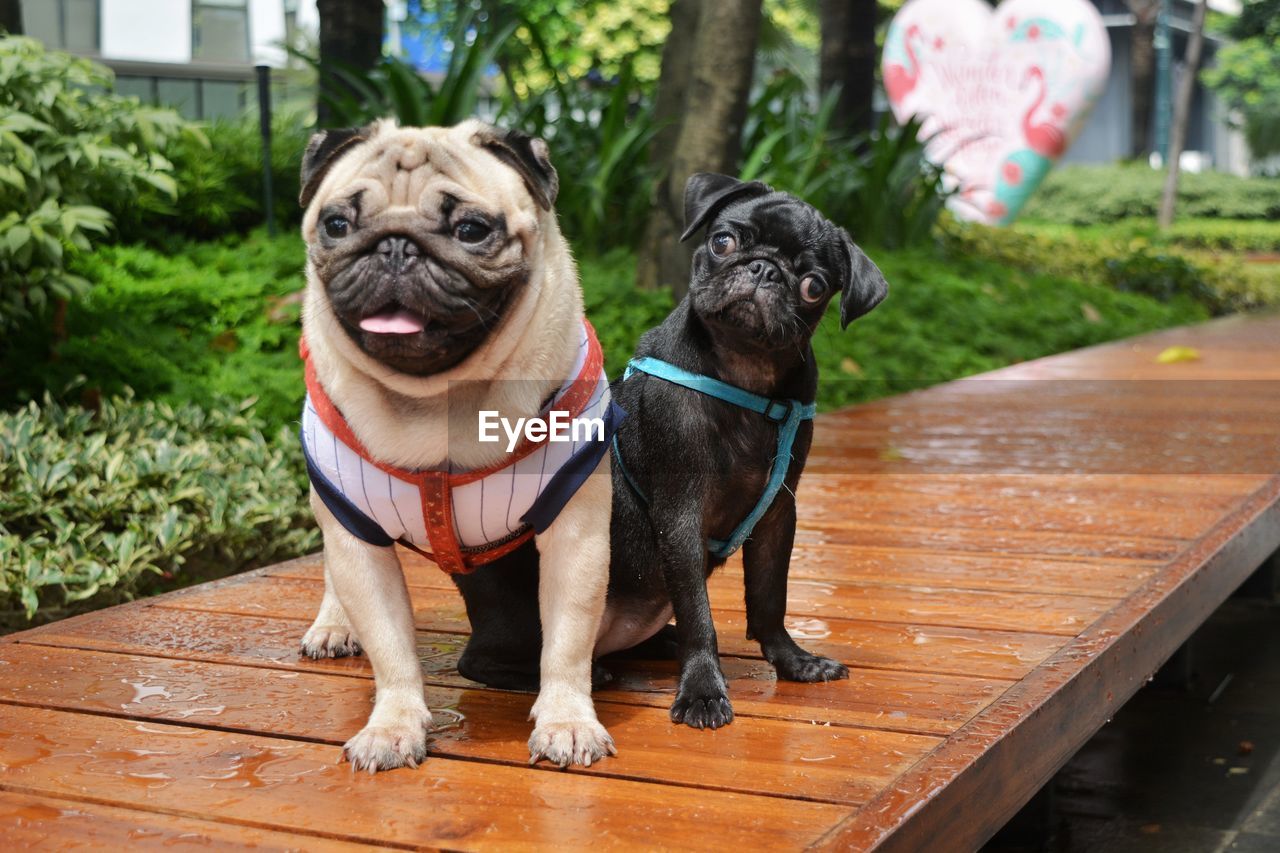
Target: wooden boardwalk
{"points": [[1001, 563]]}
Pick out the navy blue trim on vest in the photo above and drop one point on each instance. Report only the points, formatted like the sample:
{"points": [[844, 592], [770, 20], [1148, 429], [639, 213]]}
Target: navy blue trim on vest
{"points": [[347, 513], [565, 483]]}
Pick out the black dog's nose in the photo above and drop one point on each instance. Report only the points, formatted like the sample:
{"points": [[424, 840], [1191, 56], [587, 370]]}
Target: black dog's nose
{"points": [[764, 271], [397, 251]]}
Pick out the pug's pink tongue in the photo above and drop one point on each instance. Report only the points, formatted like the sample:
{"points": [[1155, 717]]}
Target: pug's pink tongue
{"points": [[392, 323]]}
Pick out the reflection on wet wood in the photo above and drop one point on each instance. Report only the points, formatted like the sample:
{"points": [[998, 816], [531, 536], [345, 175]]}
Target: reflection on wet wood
{"points": [[1001, 562]]}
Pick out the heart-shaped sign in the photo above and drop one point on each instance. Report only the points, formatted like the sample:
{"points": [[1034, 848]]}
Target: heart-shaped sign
{"points": [[1000, 93]]}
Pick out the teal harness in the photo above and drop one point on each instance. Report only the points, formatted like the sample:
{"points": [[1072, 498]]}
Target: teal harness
{"points": [[787, 414]]}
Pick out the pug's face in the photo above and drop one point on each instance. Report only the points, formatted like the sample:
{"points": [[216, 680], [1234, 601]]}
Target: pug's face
{"points": [[770, 264], [423, 237]]}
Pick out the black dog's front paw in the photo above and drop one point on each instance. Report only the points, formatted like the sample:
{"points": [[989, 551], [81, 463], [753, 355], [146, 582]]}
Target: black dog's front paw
{"points": [[807, 667], [702, 711], [702, 700]]}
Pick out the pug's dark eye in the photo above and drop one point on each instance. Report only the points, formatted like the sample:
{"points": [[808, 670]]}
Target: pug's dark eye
{"points": [[812, 288], [471, 231], [337, 227], [723, 243]]}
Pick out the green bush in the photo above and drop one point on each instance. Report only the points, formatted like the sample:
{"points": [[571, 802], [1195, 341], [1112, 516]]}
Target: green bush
{"points": [[948, 317], [211, 320], [68, 149], [218, 183], [91, 502], [1087, 195], [1228, 235], [1222, 285]]}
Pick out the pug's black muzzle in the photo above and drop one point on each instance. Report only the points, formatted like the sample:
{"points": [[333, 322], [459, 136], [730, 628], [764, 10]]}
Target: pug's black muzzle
{"points": [[748, 297], [396, 277]]}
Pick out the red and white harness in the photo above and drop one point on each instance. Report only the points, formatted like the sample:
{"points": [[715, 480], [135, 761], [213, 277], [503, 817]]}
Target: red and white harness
{"points": [[459, 519]]}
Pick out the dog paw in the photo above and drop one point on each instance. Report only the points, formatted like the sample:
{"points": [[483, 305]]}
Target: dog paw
{"points": [[330, 641], [809, 668], [570, 742], [384, 747], [709, 710]]}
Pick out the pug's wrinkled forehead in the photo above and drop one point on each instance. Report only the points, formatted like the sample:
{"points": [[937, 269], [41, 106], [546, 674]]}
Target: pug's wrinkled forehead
{"points": [[410, 178]]}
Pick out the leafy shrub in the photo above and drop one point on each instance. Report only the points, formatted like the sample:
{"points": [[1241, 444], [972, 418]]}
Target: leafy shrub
{"points": [[879, 186], [68, 148], [209, 320], [90, 502], [1087, 195], [1229, 235], [948, 317], [1161, 276], [1220, 284], [218, 182]]}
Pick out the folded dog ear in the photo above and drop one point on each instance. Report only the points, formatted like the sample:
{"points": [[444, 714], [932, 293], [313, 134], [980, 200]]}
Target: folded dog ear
{"points": [[528, 155], [324, 149], [865, 287], [706, 193]]}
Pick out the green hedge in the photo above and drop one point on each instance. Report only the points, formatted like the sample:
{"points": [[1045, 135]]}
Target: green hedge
{"points": [[214, 320], [1087, 195], [91, 503], [70, 150], [218, 183], [1245, 236], [1221, 283]]}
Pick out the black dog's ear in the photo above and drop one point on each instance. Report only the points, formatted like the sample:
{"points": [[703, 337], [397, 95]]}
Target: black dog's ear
{"points": [[866, 287], [322, 152], [706, 192], [529, 156]]}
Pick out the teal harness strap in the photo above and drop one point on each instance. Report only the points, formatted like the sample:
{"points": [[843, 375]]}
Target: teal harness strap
{"points": [[787, 414]]}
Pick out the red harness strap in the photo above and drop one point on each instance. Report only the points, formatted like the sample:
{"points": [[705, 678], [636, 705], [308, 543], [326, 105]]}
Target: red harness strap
{"points": [[435, 487]]}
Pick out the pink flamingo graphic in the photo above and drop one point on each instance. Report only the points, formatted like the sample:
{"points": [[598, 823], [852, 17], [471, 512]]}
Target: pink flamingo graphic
{"points": [[1046, 138], [898, 79]]}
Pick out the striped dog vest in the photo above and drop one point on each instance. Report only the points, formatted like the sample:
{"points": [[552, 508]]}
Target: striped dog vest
{"points": [[459, 519]]}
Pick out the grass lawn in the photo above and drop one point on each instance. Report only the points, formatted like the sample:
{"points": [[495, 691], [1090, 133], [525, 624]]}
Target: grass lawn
{"points": [[220, 320]]}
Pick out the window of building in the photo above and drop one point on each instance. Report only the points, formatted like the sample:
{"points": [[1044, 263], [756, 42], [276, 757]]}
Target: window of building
{"points": [[220, 30], [63, 24]]}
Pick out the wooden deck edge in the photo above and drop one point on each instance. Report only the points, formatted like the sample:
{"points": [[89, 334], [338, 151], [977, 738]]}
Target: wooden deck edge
{"points": [[27, 634], [960, 795]]}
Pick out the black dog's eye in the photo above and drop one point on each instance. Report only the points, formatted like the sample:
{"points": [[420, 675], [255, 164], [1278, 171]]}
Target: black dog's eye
{"points": [[723, 243], [337, 227], [812, 288], [471, 231]]}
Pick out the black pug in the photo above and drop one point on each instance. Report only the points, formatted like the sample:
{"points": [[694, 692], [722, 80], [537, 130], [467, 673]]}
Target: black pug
{"points": [[692, 468]]}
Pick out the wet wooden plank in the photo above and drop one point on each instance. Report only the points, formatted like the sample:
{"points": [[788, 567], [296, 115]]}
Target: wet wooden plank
{"points": [[45, 823], [442, 609], [951, 649], [907, 567], [296, 787], [808, 760], [915, 702], [1040, 612]]}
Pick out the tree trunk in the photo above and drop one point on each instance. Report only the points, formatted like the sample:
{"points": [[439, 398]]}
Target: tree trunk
{"points": [[848, 59], [709, 76], [11, 17], [351, 33], [1182, 113], [1142, 74]]}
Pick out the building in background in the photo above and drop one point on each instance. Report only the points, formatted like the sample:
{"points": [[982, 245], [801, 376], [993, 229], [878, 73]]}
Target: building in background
{"points": [[1108, 135], [195, 55]]}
